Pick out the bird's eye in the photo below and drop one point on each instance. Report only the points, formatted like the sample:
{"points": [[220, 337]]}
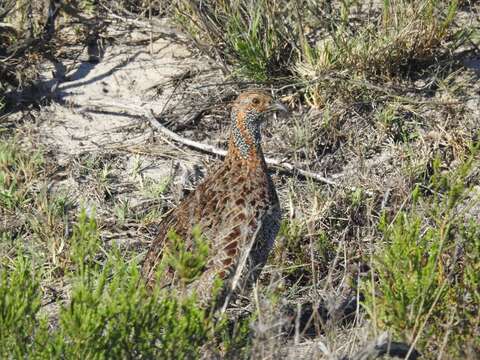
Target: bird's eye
{"points": [[255, 101]]}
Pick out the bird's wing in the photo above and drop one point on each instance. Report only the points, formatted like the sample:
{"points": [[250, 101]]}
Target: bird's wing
{"points": [[229, 207], [195, 209]]}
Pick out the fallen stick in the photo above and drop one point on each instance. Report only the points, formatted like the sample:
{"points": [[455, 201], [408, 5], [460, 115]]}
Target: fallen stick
{"points": [[190, 143], [216, 151], [212, 150]]}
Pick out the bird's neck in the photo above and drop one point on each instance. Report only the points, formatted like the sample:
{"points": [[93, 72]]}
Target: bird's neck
{"points": [[251, 155], [245, 142]]}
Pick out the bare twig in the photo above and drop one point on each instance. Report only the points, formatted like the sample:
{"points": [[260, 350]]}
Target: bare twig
{"points": [[285, 166], [308, 174], [212, 150], [190, 143]]}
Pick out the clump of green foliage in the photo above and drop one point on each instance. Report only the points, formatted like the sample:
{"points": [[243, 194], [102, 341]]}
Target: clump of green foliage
{"points": [[20, 300], [400, 33], [398, 37], [424, 284], [187, 263], [291, 252], [109, 312]]}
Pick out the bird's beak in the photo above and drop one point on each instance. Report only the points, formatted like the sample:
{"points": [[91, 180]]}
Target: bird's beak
{"points": [[277, 106]]}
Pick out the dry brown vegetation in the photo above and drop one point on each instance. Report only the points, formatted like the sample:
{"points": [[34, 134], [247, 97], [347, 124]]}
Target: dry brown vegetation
{"points": [[384, 99]]}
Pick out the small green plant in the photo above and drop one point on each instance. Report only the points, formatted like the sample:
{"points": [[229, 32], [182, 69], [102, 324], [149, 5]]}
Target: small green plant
{"points": [[17, 172], [20, 300], [88, 6], [155, 189], [394, 123], [121, 211], [387, 115], [187, 263], [324, 246], [84, 244], [152, 216], [356, 197], [291, 252], [236, 342], [252, 38], [104, 178]]}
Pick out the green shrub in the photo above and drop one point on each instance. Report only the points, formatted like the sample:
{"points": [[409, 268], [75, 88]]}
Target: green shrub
{"points": [[424, 284], [109, 314], [400, 39], [187, 263], [405, 31], [268, 40], [112, 315]]}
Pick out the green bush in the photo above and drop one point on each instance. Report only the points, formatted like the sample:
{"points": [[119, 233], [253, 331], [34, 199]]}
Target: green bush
{"points": [[251, 35], [187, 263], [424, 284], [110, 313], [268, 40]]}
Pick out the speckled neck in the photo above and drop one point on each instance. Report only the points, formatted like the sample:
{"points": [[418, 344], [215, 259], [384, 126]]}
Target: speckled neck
{"points": [[245, 134]]}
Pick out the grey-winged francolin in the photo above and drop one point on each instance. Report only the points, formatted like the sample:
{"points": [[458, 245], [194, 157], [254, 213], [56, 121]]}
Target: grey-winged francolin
{"points": [[236, 208]]}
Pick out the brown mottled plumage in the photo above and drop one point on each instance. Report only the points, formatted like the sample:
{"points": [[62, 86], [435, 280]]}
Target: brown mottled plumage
{"points": [[236, 208]]}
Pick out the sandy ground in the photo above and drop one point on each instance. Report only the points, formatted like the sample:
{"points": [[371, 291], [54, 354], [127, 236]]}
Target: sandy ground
{"points": [[100, 106]]}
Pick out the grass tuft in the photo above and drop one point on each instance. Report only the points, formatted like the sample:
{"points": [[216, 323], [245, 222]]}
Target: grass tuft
{"points": [[247, 34]]}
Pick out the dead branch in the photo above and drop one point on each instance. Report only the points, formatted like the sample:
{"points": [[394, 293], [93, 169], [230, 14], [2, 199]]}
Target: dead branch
{"points": [[285, 166], [212, 150]]}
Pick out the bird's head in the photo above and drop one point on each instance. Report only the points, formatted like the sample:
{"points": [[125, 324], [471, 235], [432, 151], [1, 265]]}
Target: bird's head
{"points": [[248, 112]]}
